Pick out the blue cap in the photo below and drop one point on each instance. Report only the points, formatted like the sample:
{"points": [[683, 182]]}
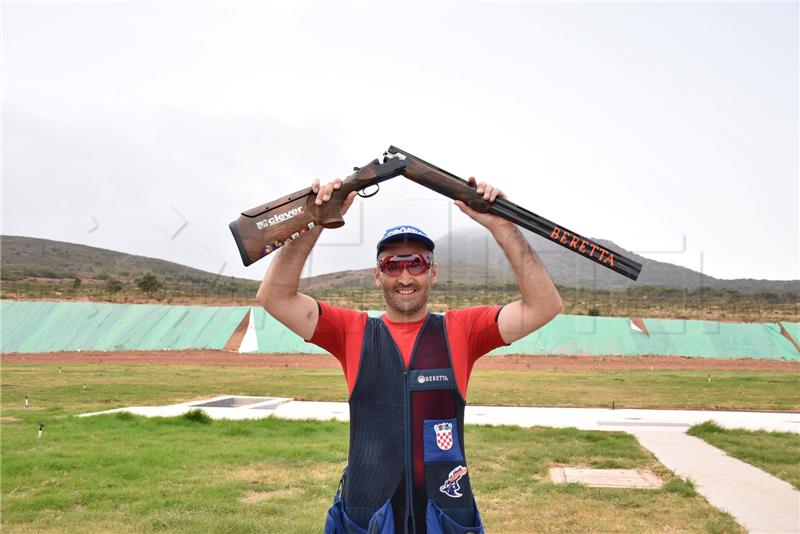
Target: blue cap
{"points": [[405, 233]]}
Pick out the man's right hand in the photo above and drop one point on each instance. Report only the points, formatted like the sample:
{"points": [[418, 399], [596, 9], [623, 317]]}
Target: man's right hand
{"points": [[324, 193]]}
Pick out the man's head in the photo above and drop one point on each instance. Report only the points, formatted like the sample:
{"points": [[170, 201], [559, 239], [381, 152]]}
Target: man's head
{"points": [[405, 270]]}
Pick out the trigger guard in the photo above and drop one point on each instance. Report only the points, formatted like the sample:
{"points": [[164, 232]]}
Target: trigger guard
{"points": [[364, 195]]}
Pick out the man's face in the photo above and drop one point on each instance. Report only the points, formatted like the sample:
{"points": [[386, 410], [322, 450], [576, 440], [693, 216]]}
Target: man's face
{"points": [[406, 294]]}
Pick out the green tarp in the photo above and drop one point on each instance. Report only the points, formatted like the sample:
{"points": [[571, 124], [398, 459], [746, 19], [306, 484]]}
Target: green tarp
{"points": [[27, 326], [275, 338], [580, 335], [63, 326], [712, 339], [601, 336]]}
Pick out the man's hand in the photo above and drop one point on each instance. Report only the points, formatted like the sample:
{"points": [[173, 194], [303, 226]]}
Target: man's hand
{"points": [[489, 220], [324, 193]]}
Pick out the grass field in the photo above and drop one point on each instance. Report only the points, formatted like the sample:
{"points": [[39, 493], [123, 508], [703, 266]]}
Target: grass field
{"points": [[777, 453], [119, 472], [113, 386], [762, 390]]}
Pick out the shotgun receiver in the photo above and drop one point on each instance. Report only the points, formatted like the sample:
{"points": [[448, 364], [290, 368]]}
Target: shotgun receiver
{"points": [[261, 230], [452, 186]]}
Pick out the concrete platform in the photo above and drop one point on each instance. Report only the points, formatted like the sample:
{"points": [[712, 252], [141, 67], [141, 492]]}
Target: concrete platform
{"points": [[235, 407], [606, 478]]}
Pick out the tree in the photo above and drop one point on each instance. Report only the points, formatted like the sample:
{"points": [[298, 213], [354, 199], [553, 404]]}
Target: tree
{"points": [[149, 283], [113, 285], [76, 283]]}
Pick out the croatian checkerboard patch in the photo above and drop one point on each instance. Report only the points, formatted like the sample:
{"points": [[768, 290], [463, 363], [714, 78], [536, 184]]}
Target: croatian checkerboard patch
{"points": [[444, 435], [440, 439]]}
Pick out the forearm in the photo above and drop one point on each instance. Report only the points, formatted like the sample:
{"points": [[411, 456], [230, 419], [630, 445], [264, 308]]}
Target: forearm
{"points": [[282, 278], [535, 285]]}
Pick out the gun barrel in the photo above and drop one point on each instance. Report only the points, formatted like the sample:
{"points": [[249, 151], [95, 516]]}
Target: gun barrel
{"points": [[566, 238], [450, 185]]}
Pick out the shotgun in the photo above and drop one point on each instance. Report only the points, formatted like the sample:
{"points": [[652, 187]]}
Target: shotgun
{"points": [[452, 186], [267, 227]]}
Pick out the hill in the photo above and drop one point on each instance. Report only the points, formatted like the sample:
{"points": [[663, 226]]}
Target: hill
{"points": [[472, 257], [29, 258], [473, 271]]}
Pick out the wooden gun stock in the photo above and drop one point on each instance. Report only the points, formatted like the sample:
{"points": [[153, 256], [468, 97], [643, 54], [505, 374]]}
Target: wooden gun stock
{"points": [[267, 227], [452, 186]]}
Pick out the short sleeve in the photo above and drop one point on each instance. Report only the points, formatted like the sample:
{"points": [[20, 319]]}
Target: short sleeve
{"points": [[483, 331], [333, 326]]}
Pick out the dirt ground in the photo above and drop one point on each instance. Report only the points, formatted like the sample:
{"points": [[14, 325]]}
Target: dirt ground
{"points": [[537, 362]]}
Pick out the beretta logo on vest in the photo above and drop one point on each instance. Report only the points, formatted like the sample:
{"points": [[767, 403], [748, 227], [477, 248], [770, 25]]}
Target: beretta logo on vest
{"points": [[432, 378]]}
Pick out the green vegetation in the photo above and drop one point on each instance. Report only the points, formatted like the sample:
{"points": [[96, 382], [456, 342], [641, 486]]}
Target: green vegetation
{"points": [[111, 276], [689, 389], [121, 385], [122, 473], [149, 284], [774, 452], [113, 285], [645, 301], [229, 291]]}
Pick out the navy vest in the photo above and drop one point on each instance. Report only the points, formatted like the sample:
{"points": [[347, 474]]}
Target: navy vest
{"points": [[396, 413]]}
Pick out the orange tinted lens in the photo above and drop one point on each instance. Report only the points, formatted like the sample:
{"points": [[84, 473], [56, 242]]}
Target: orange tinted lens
{"points": [[416, 267], [393, 268]]}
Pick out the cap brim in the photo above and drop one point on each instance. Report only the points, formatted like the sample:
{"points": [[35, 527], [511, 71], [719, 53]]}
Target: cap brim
{"points": [[404, 238]]}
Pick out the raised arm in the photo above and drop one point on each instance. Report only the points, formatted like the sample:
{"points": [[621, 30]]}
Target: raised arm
{"points": [[540, 300], [278, 293]]}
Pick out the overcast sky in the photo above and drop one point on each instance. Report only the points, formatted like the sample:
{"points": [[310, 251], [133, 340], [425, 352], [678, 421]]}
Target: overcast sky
{"points": [[636, 122]]}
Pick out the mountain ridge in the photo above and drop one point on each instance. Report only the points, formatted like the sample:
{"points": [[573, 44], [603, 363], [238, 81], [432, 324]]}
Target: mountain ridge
{"points": [[465, 257]]}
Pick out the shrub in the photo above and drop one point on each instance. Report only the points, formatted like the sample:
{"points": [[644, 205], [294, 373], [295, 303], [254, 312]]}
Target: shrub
{"points": [[197, 416], [113, 285], [149, 283]]}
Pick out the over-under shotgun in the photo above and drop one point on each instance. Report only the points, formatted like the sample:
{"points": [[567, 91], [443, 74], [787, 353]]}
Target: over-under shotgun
{"points": [[263, 229]]}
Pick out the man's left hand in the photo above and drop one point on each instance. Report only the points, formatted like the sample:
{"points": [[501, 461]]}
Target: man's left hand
{"points": [[490, 193]]}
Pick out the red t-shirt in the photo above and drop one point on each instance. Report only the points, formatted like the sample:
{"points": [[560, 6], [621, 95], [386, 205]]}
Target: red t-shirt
{"points": [[472, 332]]}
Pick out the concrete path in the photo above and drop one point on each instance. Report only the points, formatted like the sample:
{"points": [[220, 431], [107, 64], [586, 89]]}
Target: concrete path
{"points": [[758, 501], [626, 420]]}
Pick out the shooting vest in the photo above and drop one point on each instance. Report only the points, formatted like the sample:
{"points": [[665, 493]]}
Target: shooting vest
{"points": [[396, 412]]}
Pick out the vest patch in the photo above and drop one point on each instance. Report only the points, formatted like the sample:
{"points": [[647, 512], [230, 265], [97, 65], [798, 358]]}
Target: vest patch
{"points": [[423, 379], [451, 487], [432, 378], [444, 435], [440, 441]]}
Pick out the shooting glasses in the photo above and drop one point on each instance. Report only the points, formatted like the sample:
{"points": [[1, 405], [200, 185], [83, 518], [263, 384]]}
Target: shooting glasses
{"points": [[393, 266]]}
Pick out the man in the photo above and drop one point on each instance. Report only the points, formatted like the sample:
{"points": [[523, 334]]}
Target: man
{"points": [[407, 372]]}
